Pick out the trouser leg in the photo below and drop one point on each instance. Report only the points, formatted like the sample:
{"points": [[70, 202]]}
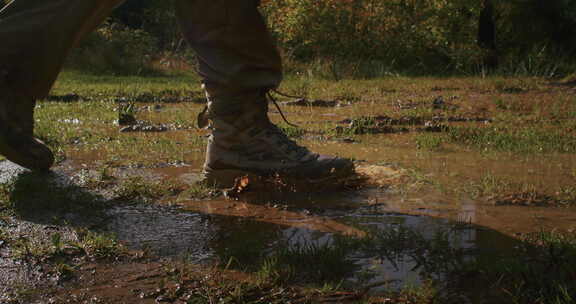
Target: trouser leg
{"points": [[238, 63], [233, 45], [236, 56], [37, 35]]}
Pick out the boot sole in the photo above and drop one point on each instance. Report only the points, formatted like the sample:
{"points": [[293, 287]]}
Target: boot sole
{"points": [[223, 179]]}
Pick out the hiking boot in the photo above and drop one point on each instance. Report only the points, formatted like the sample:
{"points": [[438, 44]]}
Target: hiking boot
{"points": [[244, 141], [17, 142]]}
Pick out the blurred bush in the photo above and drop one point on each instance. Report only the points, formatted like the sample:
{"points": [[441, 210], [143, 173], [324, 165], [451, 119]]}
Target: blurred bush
{"points": [[429, 36], [137, 36], [425, 35], [362, 38], [115, 48]]}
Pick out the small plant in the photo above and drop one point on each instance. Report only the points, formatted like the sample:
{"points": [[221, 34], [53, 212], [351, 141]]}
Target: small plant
{"points": [[308, 262], [30, 248], [500, 104], [57, 242], [64, 272], [429, 142], [542, 270], [126, 112], [433, 257], [135, 188], [99, 246], [6, 203], [507, 138], [361, 125], [198, 190], [568, 195], [291, 131]]}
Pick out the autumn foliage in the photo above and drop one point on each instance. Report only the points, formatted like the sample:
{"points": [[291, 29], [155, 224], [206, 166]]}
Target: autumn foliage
{"points": [[532, 37], [400, 31]]}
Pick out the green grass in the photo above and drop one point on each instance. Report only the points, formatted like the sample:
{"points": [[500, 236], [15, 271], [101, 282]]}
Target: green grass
{"points": [[135, 189], [307, 263], [291, 131], [431, 142], [434, 257], [36, 248], [100, 245], [488, 185], [92, 126], [86, 131], [89, 85], [529, 139], [541, 270]]}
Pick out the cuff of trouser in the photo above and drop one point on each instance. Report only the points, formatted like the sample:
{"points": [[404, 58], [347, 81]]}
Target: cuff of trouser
{"points": [[217, 91]]}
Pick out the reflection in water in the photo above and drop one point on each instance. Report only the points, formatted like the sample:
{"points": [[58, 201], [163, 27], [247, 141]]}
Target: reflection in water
{"points": [[467, 212], [246, 233], [164, 231]]}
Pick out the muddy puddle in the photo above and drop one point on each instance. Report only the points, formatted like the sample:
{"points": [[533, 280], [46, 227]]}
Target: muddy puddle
{"points": [[413, 200], [214, 231], [209, 231], [219, 230]]}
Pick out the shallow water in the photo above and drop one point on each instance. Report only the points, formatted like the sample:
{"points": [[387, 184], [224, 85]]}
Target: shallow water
{"points": [[419, 190], [163, 231], [215, 230], [205, 231]]}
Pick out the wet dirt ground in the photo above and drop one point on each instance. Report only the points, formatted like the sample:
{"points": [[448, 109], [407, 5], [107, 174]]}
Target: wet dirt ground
{"points": [[423, 190], [207, 231]]}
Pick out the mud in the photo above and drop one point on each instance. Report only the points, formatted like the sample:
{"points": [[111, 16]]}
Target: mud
{"points": [[165, 96], [211, 231], [15, 274], [20, 271], [381, 124], [66, 98], [315, 103], [454, 190]]}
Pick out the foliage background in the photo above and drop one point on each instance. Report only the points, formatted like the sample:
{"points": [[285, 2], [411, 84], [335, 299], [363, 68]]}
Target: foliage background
{"points": [[363, 38]]}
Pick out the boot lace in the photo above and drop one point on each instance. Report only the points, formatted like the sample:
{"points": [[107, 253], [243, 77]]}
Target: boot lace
{"points": [[290, 146], [275, 102]]}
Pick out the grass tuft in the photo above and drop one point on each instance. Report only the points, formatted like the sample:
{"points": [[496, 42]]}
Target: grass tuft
{"points": [[526, 140]]}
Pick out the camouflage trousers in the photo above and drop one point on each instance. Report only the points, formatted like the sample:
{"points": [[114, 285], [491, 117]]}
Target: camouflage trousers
{"points": [[229, 37]]}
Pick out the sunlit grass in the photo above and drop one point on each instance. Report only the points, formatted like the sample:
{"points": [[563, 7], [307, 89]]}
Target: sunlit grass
{"points": [[526, 118], [528, 139]]}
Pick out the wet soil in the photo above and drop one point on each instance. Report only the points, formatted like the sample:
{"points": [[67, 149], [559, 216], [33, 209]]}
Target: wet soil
{"points": [[208, 231], [452, 189]]}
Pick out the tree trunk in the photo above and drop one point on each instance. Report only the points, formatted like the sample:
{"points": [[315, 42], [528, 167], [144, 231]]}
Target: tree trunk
{"points": [[487, 35]]}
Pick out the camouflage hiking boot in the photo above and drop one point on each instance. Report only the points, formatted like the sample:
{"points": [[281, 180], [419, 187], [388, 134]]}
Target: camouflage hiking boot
{"points": [[17, 142], [244, 141]]}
